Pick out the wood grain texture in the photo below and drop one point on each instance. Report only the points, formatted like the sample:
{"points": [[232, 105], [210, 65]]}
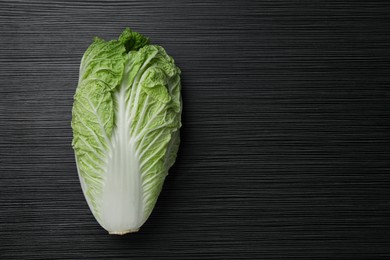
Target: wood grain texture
{"points": [[285, 142]]}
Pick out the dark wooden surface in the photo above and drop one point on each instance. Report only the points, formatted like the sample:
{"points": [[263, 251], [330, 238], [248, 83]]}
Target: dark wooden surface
{"points": [[285, 144]]}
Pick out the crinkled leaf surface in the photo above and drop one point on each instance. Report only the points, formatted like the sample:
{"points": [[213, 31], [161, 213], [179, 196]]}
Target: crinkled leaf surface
{"points": [[126, 118]]}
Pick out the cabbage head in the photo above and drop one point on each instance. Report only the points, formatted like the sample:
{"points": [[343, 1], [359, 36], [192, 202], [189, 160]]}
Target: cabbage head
{"points": [[126, 118]]}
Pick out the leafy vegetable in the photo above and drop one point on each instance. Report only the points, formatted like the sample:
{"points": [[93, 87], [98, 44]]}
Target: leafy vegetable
{"points": [[126, 118]]}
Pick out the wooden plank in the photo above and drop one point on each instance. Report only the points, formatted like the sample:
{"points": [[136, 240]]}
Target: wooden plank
{"points": [[285, 139]]}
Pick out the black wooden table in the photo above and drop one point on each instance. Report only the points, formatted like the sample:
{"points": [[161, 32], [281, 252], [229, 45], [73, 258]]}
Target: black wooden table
{"points": [[285, 142]]}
